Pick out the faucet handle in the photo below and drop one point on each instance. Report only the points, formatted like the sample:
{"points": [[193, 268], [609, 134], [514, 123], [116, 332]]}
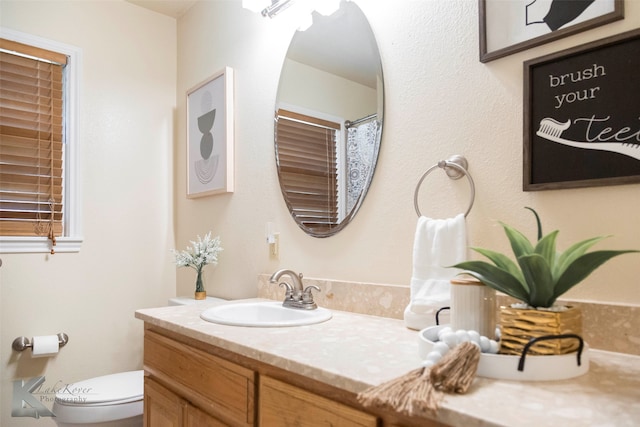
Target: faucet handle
{"points": [[307, 296], [289, 290]]}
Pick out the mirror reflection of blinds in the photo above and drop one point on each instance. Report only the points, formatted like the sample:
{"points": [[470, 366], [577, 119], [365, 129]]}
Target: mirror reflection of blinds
{"points": [[31, 140], [307, 165]]}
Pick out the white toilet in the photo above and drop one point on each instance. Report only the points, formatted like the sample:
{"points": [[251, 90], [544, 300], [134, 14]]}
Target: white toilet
{"points": [[114, 400]]}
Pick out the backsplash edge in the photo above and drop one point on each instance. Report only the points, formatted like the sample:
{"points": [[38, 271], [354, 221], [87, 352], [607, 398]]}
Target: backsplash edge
{"points": [[606, 326]]}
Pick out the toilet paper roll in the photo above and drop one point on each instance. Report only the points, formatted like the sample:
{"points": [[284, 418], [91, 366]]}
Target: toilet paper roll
{"points": [[45, 346]]}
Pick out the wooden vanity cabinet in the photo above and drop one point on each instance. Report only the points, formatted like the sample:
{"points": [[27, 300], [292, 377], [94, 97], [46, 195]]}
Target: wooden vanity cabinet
{"points": [[194, 417], [187, 386], [192, 384], [163, 408], [283, 404]]}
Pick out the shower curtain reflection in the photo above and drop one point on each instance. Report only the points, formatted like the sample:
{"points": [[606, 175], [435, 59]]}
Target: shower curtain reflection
{"points": [[362, 152]]}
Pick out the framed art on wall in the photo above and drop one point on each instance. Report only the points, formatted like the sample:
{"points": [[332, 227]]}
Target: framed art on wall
{"points": [[511, 26], [210, 136], [582, 115]]}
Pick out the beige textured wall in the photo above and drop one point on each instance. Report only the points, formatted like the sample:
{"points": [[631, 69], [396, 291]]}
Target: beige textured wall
{"points": [[440, 100], [311, 88], [126, 134]]}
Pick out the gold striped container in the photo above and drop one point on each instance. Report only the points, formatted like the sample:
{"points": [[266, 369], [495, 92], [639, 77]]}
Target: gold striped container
{"points": [[519, 325]]}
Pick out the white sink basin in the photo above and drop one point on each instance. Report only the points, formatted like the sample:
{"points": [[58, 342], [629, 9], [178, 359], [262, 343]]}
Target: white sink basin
{"points": [[263, 314]]}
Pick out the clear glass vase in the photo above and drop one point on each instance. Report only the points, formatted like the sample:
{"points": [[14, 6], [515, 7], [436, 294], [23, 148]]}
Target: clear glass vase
{"points": [[200, 293]]}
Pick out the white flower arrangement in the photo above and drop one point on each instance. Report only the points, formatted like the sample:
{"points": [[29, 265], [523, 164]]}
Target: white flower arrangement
{"points": [[202, 252]]}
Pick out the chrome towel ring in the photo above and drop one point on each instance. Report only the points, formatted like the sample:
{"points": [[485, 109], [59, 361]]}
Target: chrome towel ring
{"points": [[455, 167]]}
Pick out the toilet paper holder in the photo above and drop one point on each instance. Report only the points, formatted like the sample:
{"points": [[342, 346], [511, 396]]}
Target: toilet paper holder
{"points": [[22, 343]]}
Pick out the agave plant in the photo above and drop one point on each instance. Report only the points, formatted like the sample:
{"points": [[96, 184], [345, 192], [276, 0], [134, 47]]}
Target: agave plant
{"points": [[540, 274]]}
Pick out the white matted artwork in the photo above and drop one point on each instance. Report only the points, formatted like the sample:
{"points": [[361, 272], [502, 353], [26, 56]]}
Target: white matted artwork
{"points": [[511, 26], [210, 136]]}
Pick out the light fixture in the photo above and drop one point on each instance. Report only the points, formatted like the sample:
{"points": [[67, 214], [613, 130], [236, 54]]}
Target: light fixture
{"points": [[276, 7], [256, 6], [271, 8], [305, 20], [327, 7]]}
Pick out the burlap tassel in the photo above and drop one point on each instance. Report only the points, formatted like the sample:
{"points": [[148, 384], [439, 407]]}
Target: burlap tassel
{"points": [[421, 389], [389, 395], [454, 373], [425, 397]]}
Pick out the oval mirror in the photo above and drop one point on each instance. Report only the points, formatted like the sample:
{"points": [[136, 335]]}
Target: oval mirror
{"points": [[328, 120]]}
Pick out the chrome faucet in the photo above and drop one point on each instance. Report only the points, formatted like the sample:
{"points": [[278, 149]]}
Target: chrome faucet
{"points": [[296, 295]]}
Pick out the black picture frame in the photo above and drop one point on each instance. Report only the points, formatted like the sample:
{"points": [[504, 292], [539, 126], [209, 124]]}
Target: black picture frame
{"points": [[582, 115], [497, 39]]}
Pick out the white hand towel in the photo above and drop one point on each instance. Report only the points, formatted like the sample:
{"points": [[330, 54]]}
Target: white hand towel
{"points": [[438, 243]]}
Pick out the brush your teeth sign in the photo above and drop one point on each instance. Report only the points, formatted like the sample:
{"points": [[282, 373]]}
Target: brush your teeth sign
{"points": [[582, 115]]}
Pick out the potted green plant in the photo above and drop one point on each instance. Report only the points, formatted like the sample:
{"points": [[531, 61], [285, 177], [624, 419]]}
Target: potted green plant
{"points": [[202, 252], [537, 277]]}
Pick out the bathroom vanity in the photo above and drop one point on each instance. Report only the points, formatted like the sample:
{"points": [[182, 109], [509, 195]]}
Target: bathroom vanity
{"points": [[190, 386], [199, 373]]}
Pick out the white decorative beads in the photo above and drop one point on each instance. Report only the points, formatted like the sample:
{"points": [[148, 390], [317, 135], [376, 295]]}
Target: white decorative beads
{"points": [[447, 337]]}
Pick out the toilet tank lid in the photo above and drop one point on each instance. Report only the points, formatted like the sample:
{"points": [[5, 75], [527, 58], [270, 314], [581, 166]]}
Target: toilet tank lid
{"points": [[121, 387]]}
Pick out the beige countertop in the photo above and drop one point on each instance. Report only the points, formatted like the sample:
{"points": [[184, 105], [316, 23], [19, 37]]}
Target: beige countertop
{"points": [[355, 351]]}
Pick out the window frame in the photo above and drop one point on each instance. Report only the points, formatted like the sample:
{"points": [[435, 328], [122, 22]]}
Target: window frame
{"points": [[71, 240]]}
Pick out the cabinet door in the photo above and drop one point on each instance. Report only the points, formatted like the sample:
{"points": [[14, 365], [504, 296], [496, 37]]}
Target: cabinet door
{"points": [[216, 385], [194, 417], [162, 408], [281, 404]]}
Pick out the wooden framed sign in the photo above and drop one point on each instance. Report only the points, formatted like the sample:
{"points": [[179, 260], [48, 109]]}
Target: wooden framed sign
{"points": [[511, 26], [582, 115]]}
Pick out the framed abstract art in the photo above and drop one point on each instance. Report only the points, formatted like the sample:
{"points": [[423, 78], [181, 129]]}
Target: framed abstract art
{"points": [[210, 136]]}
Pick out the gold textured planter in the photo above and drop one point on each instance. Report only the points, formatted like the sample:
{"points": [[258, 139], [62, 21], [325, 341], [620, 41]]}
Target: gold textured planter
{"points": [[519, 325], [201, 295]]}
